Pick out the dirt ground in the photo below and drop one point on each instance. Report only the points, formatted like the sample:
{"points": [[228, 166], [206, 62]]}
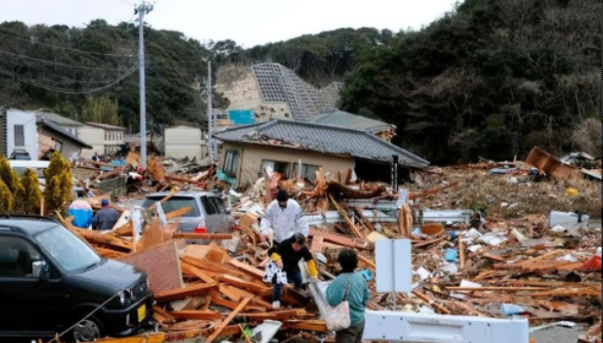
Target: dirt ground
{"points": [[558, 335]]}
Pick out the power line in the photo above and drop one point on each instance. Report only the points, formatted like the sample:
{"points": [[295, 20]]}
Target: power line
{"points": [[68, 91], [66, 48], [56, 63]]}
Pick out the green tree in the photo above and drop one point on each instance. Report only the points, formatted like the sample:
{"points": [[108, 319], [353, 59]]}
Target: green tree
{"points": [[492, 78], [59, 183], [10, 178], [6, 198], [31, 195]]}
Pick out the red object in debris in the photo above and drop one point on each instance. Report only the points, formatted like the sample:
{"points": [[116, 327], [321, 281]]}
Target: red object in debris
{"points": [[593, 264], [201, 227]]}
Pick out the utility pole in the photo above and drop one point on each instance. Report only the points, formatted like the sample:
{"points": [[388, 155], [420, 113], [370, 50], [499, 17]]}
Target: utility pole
{"points": [[210, 122], [141, 10]]}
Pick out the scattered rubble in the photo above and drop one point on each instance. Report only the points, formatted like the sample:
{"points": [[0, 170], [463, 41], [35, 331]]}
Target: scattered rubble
{"points": [[483, 245]]}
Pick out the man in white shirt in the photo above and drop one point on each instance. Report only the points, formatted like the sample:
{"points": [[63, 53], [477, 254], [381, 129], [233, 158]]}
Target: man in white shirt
{"points": [[286, 218]]}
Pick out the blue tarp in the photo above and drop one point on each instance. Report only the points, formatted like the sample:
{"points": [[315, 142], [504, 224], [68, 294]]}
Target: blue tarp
{"points": [[241, 117], [226, 178]]}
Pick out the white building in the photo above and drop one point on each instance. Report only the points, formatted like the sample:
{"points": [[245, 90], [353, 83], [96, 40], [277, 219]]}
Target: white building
{"points": [[185, 141], [94, 136], [113, 136], [21, 132]]}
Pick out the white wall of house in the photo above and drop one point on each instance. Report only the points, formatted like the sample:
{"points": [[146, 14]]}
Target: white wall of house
{"points": [[95, 137], [29, 140], [185, 141]]}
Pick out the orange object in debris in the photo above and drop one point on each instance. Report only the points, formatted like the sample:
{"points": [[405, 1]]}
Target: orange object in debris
{"points": [[593, 264], [432, 229]]}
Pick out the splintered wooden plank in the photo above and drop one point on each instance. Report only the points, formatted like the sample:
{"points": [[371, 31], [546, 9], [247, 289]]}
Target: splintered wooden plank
{"points": [[214, 267], [367, 261], [219, 301], [345, 217], [187, 268], [178, 213], [212, 236], [342, 240], [275, 315], [236, 294], [196, 315], [106, 239], [248, 269], [146, 338], [227, 321], [182, 293], [306, 325], [250, 286]]}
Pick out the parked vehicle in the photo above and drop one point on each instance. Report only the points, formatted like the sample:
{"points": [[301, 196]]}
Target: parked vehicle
{"points": [[20, 155], [50, 281], [20, 165], [39, 166], [208, 213]]}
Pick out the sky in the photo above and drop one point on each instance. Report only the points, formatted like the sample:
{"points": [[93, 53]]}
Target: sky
{"points": [[248, 22]]}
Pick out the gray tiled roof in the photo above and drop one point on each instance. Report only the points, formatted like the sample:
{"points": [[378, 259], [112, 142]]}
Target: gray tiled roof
{"points": [[63, 121], [352, 121], [323, 138], [60, 130]]}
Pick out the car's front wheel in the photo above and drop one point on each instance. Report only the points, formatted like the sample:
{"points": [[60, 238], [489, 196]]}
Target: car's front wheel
{"points": [[88, 330]]}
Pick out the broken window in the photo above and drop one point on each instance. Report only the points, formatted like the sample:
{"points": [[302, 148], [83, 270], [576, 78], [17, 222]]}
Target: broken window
{"points": [[19, 136], [309, 171], [16, 258], [231, 162], [279, 167]]}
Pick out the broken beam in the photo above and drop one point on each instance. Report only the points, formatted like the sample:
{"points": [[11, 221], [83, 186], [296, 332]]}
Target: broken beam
{"points": [[182, 293]]}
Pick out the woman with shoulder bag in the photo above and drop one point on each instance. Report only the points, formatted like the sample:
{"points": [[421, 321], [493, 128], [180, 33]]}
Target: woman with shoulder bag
{"points": [[351, 287]]}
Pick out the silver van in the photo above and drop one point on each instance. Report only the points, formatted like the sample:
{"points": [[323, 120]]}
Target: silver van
{"points": [[208, 214]]}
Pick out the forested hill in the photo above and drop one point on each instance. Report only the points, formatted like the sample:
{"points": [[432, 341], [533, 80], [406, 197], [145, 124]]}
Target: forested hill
{"points": [[319, 59], [491, 78], [92, 73]]}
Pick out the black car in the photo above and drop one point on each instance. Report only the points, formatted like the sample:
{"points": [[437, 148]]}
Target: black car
{"points": [[20, 154], [50, 280]]}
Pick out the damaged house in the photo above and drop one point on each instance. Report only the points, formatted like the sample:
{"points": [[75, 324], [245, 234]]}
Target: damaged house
{"points": [[299, 148]]}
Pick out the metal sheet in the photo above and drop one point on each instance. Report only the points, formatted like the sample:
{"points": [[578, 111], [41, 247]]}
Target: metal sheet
{"points": [[384, 252], [434, 328], [442, 216], [394, 265]]}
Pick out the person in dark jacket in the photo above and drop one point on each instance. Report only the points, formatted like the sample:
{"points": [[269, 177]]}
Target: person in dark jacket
{"points": [[284, 265], [106, 218]]}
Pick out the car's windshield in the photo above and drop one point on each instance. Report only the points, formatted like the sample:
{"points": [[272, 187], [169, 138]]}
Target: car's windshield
{"points": [[66, 249]]}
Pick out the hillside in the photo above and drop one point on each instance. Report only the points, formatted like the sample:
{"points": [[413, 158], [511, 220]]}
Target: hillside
{"points": [[70, 62], [491, 79]]}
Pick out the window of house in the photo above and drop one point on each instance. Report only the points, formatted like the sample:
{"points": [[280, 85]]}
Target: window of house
{"points": [[106, 135], [19, 135], [283, 168], [58, 146], [231, 162], [309, 171], [16, 258]]}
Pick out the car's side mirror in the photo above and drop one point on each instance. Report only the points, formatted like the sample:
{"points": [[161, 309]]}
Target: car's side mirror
{"points": [[228, 210], [39, 269]]}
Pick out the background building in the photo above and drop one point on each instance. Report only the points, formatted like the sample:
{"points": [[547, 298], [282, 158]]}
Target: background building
{"points": [[185, 141]]}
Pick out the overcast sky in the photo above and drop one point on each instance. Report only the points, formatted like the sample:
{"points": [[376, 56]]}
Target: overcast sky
{"points": [[248, 22]]}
